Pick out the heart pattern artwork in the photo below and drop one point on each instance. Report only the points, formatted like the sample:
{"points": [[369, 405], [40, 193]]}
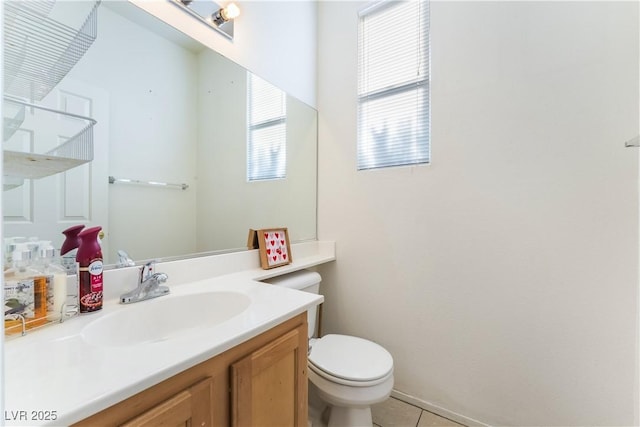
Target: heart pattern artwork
{"points": [[276, 247]]}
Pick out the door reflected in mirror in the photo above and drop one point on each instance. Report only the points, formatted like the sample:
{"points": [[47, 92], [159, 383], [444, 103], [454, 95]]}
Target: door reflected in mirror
{"points": [[169, 110]]}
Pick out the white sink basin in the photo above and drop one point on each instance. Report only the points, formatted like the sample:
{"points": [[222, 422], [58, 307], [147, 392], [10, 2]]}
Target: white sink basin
{"points": [[164, 318]]}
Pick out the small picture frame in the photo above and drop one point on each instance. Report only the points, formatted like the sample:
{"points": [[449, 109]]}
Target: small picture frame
{"points": [[273, 245]]}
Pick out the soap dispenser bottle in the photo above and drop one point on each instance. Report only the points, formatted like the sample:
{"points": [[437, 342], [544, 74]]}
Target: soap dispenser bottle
{"points": [[89, 260], [56, 276], [69, 249]]}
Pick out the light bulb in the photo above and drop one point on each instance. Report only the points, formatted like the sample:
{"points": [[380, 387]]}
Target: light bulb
{"points": [[231, 11]]}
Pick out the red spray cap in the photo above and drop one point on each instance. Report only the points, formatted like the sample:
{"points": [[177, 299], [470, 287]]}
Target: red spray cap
{"points": [[72, 241], [89, 246]]}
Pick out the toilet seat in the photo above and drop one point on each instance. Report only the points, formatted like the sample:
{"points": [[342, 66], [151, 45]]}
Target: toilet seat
{"points": [[349, 360]]}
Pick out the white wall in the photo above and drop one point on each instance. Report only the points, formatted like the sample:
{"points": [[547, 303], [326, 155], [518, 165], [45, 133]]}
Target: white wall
{"points": [[503, 277], [273, 39]]}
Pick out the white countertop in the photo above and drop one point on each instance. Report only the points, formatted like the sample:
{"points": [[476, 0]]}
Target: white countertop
{"points": [[54, 369]]}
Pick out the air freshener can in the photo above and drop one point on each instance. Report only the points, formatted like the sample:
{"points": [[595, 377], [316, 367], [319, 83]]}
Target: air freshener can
{"points": [[90, 271]]}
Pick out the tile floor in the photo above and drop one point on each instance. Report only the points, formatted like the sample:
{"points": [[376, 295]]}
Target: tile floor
{"points": [[396, 413]]}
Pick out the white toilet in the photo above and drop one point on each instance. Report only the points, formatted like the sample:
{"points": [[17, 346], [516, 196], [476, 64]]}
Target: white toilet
{"points": [[348, 374]]}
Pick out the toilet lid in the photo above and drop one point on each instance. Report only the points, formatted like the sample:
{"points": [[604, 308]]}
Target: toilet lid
{"points": [[350, 358]]}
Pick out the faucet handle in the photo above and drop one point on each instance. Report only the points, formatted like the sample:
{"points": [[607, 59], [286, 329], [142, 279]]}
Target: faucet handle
{"points": [[147, 270], [161, 277]]}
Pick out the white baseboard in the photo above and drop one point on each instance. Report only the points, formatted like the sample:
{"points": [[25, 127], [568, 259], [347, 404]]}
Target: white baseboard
{"points": [[459, 418]]}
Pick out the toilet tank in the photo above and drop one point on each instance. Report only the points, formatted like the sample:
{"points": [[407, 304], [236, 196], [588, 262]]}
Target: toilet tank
{"points": [[303, 280]]}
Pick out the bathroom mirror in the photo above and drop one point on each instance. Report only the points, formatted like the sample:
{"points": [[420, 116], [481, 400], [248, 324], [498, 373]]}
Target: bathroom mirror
{"points": [[168, 111]]}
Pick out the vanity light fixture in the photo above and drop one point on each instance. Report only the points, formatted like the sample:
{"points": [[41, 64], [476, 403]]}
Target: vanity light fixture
{"points": [[209, 12]]}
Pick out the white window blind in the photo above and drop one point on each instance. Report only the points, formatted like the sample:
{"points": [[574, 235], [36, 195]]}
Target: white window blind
{"points": [[267, 130], [393, 84]]}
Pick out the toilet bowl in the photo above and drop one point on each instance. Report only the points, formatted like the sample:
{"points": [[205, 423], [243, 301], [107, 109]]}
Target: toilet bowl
{"points": [[348, 374]]}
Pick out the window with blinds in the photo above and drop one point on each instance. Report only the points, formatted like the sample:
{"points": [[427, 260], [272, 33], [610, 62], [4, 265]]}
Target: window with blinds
{"points": [[267, 130], [393, 84]]}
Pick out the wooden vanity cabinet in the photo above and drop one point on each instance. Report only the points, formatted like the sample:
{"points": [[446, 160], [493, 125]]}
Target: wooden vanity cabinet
{"points": [[261, 382]]}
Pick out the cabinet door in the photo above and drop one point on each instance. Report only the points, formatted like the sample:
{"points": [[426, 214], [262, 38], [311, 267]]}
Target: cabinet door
{"points": [[269, 386], [189, 408]]}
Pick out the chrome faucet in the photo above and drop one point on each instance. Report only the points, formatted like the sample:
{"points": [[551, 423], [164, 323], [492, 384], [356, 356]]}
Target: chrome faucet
{"points": [[149, 285]]}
